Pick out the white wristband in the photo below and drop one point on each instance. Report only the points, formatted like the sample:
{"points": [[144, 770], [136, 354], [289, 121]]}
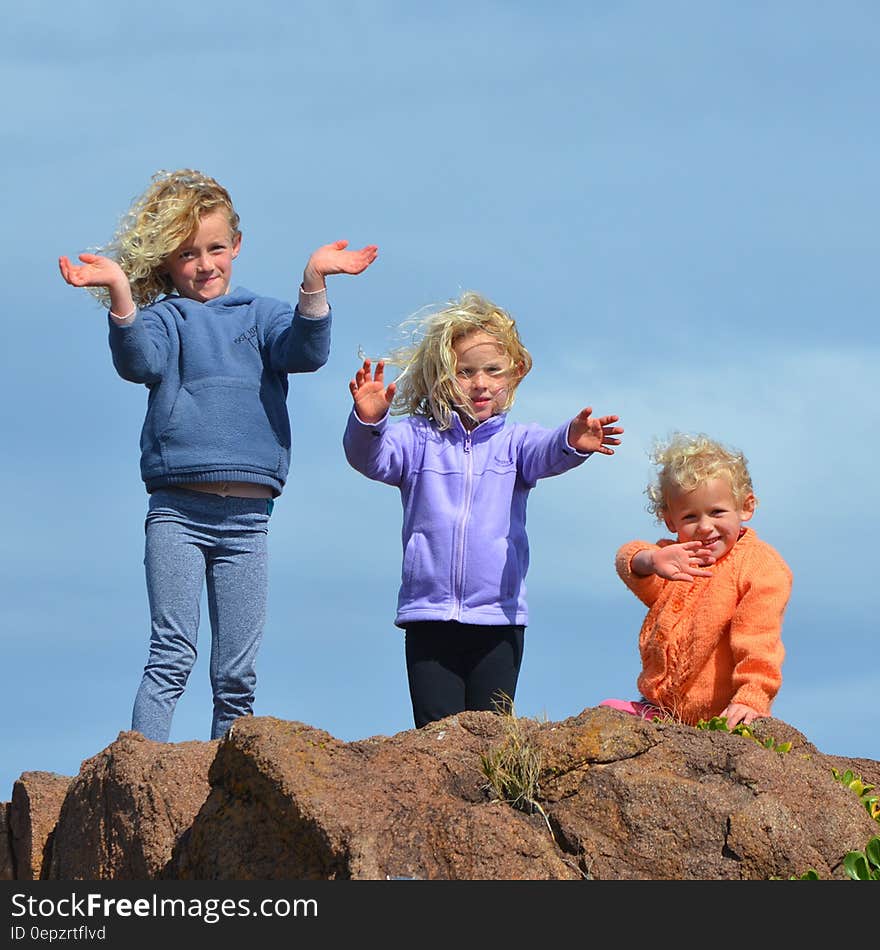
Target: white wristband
{"points": [[126, 319]]}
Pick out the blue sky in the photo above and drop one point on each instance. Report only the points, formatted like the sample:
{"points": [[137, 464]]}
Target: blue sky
{"points": [[678, 202]]}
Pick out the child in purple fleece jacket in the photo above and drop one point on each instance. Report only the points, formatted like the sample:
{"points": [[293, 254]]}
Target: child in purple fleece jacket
{"points": [[464, 476]]}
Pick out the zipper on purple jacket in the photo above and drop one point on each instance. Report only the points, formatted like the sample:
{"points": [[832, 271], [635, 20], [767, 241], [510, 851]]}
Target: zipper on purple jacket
{"points": [[466, 513]]}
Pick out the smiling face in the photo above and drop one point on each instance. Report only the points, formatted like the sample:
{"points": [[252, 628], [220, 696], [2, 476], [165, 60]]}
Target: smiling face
{"points": [[709, 514], [483, 374], [201, 268]]}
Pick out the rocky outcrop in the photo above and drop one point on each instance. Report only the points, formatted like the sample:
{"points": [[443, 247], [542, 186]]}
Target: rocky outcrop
{"points": [[617, 799], [37, 798], [289, 801], [676, 803], [7, 866], [127, 808]]}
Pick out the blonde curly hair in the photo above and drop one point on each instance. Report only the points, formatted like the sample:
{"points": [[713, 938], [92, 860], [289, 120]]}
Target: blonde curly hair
{"points": [[427, 385], [156, 224], [686, 461]]}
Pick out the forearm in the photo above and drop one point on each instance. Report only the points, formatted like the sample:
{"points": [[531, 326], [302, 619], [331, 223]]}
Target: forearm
{"points": [[756, 639], [757, 676], [135, 355], [371, 450], [360, 441], [121, 301], [313, 303], [303, 346], [544, 453], [646, 586]]}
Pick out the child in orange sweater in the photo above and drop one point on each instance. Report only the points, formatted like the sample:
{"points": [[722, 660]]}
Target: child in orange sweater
{"points": [[711, 643]]}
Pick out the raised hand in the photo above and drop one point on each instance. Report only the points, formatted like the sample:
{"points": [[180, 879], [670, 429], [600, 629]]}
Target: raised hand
{"points": [[587, 434], [98, 271], [335, 259], [680, 561], [95, 271], [372, 398]]}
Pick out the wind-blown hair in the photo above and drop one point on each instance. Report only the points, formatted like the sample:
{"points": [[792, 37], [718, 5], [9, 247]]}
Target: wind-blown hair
{"points": [[156, 224], [427, 385], [687, 461]]}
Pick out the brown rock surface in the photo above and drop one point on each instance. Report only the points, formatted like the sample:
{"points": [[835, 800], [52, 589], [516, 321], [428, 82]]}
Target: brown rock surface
{"points": [[686, 804], [7, 866], [290, 801], [127, 808], [624, 799], [36, 802]]}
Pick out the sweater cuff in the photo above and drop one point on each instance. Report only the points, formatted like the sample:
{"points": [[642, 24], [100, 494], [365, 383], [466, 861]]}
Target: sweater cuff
{"points": [[125, 321], [313, 305], [755, 697], [624, 557], [378, 426]]}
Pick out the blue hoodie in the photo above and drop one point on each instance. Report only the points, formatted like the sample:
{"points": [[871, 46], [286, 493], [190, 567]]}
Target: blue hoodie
{"points": [[464, 494], [217, 379]]}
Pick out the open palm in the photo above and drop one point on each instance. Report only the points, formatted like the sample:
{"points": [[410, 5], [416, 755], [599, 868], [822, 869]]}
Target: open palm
{"points": [[372, 398], [95, 271]]}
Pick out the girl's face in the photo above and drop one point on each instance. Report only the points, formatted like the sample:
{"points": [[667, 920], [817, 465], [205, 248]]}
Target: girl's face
{"points": [[483, 374], [201, 268], [709, 514]]}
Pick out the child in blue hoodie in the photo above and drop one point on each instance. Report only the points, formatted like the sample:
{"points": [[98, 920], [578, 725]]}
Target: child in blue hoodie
{"points": [[215, 443], [464, 476]]}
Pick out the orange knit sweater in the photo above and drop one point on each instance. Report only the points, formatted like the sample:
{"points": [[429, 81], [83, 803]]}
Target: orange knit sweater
{"points": [[715, 641]]}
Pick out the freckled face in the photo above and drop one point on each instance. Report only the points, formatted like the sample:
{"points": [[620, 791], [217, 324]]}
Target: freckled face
{"points": [[709, 514], [483, 375], [201, 268]]}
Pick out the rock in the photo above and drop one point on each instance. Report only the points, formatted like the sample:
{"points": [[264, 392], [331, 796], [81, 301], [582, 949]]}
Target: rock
{"points": [[37, 798], [7, 866], [127, 808], [614, 798], [289, 801], [687, 804]]}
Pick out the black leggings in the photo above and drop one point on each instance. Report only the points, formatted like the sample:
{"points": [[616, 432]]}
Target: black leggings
{"points": [[455, 666]]}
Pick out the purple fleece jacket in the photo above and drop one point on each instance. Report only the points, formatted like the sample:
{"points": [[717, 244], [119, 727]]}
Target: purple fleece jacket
{"points": [[464, 495]]}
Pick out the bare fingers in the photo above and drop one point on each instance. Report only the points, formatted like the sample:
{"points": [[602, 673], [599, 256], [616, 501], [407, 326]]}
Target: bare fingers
{"points": [[609, 429], [608, 439], [359, 261], [363, 376], [610, 432], [71, 272]]}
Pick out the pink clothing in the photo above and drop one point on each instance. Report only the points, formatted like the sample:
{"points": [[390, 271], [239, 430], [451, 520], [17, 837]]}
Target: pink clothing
{"points": [[634, 708]]}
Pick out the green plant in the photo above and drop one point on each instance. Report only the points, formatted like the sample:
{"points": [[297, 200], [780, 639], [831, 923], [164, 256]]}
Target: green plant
{"points": [[862, 789], [719, 724], [864, 865], [513, 767]]}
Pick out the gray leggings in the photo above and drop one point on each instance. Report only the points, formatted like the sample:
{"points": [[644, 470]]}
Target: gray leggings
{"points": [[194, 538]]}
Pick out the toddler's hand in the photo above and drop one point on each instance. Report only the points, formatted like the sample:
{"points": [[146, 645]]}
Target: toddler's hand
{"points": [[682, 562], [335, 259], [737, 713], [372, 398]]}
